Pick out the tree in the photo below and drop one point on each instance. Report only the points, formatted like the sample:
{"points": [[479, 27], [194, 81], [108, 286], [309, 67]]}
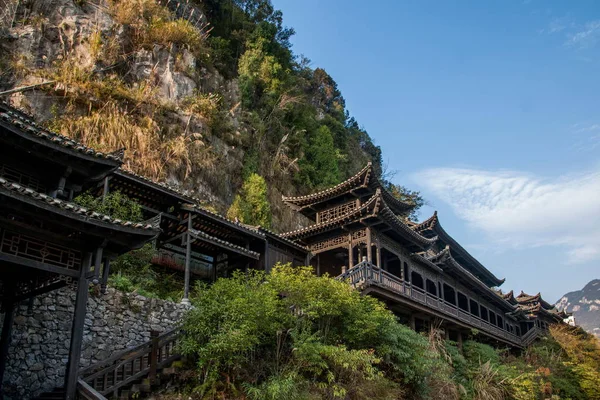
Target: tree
{"points": [[320, 165], [251, 205], [411, 197]]}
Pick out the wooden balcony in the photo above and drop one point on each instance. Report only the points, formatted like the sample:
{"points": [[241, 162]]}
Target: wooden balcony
{"points": [[366, 275]]}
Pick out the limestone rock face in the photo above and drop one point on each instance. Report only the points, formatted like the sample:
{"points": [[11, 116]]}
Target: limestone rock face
{"points": [[48, 33], [585, 306]]}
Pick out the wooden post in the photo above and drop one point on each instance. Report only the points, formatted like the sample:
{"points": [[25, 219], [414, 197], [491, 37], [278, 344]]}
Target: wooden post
{"points": [[9, 315], [97, 263], [412, 322], [459, 340], [247, 266], [188, 257], [105, 189], [378, 254], [72, 371], [105, 272], [267, 266], [350, 252], [318, 265], [153, 356], [369, 244]]}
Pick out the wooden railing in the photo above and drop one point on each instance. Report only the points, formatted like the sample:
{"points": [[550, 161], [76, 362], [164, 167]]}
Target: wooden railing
{"points": [[531, 335], [367, 274], [86, 392], [127, 367]]}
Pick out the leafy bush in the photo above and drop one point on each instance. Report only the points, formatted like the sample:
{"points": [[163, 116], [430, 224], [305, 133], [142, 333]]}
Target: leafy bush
{"points": [[294, 332], [251, 205], [115, 204], [133, 271]]}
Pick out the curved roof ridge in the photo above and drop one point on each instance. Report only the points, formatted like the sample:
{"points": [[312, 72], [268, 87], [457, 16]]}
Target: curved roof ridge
{"points": [[78, 211], [373, 201], [365, 178], [386, 211], [433, 224], [366, 172], [163, 185], [429, 223], [456, 264], [25, 123]]}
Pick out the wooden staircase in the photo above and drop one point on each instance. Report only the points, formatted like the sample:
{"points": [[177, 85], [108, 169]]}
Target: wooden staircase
{"points": [[131, 373]]}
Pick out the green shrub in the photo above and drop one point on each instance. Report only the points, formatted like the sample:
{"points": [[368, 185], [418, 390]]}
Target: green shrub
{"points": [[115, 204], [251, 205], [292, 331]]}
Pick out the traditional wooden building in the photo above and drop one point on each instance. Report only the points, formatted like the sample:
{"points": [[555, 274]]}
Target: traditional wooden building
{"points": [[424, 275], [47, 242], [200, 242]]}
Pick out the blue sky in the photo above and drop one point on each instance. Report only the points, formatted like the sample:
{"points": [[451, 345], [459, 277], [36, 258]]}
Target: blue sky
{"points": [[490, 108]]}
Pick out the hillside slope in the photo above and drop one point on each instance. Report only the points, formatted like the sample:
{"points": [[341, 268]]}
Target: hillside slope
{"points": [[585, 306], [201, 94]]}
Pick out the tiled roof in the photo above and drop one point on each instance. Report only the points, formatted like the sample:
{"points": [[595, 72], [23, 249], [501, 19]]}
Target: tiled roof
{"points": [[194, 207], [445, 257], [25, 124], [365, 178], [77, 211], [359, 178], [375, 206], [223, 243], [266, 231], [155, 184], [433, 226]]}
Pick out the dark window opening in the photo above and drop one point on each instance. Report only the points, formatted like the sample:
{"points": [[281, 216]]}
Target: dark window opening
{"points": [[500, 321], [484, 313], [431, 288], [492, 318], [474, 307], [449, 294], [463, 302], [406, 274], [417, 280]]}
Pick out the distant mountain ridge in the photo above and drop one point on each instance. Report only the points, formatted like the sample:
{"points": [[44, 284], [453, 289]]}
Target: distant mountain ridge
{"points": [[585, 306]]}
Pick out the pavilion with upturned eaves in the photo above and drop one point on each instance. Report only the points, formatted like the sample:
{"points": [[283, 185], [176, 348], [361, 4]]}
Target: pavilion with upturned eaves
{"points": [[422, 273]]}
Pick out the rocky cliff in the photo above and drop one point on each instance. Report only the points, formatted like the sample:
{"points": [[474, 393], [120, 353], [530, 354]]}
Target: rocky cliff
{"points": [[199, 93], [585, 306]]}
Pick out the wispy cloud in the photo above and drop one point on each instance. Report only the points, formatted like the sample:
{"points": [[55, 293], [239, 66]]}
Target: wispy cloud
{"points": [[585, 36], [588, 136], [576, 34], [518, 210]]}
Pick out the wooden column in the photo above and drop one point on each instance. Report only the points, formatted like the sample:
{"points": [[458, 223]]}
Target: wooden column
{"points": [[350, 252], [77, 329], [318, 265], [188, 260], [459, 340], [412, 322], [97, 264], [266, 266], [378, 254], [9, 315], [369, 244], [105, 272], [105, 189]]}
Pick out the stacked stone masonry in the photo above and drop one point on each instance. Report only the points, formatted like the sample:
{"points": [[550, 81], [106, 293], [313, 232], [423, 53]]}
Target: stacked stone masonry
{"points": [[114, 321]]}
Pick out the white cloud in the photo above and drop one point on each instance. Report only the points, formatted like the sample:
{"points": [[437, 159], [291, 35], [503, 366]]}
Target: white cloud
{"points": [[518, 210], [585, 36]]}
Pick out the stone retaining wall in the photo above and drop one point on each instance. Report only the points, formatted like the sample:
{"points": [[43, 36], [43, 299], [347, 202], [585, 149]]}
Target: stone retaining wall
{"points": [[40, 339]]}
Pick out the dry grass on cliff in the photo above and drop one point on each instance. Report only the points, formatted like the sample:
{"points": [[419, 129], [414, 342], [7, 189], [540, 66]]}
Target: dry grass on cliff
{"points": [[153, 24]]}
